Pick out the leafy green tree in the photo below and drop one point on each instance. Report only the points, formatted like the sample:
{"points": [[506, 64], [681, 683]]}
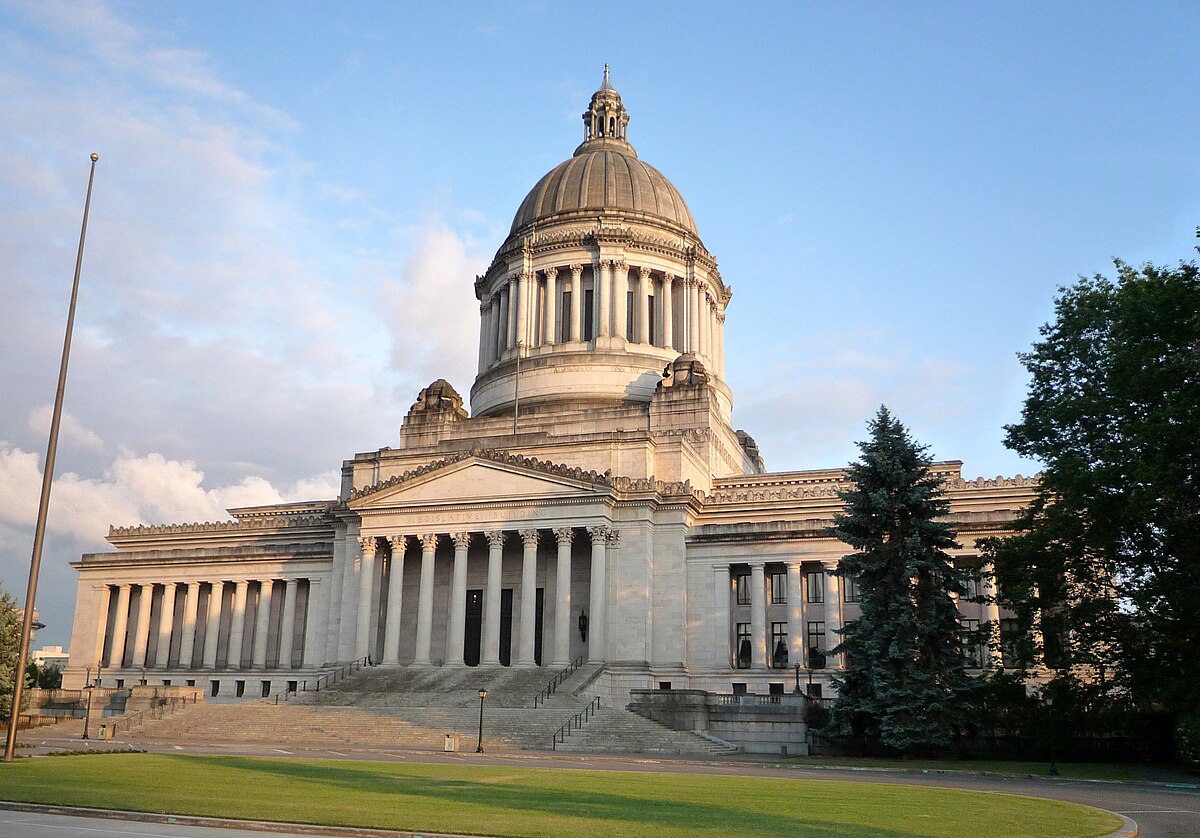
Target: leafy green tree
{"points": [[50, 678], [1105, 568], [10, 639], [905, 684]]}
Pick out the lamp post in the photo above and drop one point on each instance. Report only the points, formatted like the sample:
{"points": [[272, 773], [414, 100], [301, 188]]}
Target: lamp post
{"points": [[87, 714], [797, 668], [479, 742], [1049, 699]]}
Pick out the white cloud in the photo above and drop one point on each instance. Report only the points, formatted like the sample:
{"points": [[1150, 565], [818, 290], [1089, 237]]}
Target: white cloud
{"points": [[70, 429]]}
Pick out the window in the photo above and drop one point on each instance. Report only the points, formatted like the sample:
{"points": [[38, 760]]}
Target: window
{"points": [[775, 688], [779, 645], [564, 317], [739, 688], [191, 682], [850, 588], [664, 685], [816, 644], [630, 314], [652, 337], [972, 648], [239, 688], [292, 685], [1010, 642], [214, 687], [743, 645], [814, 690], [777, 585], [814, 580], [120, 683], [972, 585], [266, 689], [741, 583], [166, 682], [588, 315]]}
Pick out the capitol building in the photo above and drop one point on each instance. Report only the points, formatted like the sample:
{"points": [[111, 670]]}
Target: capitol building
{"points": [[595, 503]]}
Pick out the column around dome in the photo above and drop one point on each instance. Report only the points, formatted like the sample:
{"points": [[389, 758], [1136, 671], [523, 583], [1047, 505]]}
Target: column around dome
{"points": [[550, 333], [645, 290], [604, 299], [621, 299], [576, 300], [501, 323], [668, 311]]}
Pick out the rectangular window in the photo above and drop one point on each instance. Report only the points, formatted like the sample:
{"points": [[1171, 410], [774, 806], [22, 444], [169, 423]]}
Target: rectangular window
{"points": [[743, 645], [651, 338], [214, 687], [814, 580], [777, 584], [972, 585], [266, 689], [739, 688], [1010, 642], [120, 683], [779, 645], [239, 688], [564, 317], [850, 588], [741, 584], [814, 690], [972, 648], [588, 315], [630, 314], [166, 682], [775, 688], [816, 644]]}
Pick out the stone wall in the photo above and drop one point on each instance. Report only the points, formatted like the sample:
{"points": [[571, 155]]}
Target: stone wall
{"points": [[758, 724]]}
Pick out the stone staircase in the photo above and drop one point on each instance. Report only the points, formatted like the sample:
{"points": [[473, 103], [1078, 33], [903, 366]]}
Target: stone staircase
{"points": [[413, 709]]}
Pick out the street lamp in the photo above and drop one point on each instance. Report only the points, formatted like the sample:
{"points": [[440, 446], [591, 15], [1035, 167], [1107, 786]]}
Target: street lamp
{"points": [[797, 668], [479, 742], [1049, 699]]}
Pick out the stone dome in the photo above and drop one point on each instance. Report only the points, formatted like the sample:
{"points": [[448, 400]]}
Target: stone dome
{"points": [[604, 180], [604, 175]]}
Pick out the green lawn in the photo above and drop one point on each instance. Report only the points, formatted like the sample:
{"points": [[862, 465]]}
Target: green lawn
{"points": [[1068, 770], [532, 801]]}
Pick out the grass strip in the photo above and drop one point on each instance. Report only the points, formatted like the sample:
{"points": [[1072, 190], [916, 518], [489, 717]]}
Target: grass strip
{"points": [[505, 801]]}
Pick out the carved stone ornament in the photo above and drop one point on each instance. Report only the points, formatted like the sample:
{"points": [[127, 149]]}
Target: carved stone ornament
{"points": [[495, 538], [599, 534], [368, 544], [429, 541], [576, 268], [529, 538], [551, 273], [399, 543], [564, 535], [462, 540]]}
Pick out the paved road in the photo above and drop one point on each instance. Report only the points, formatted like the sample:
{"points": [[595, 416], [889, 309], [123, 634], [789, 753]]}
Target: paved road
{"points": [[1160, 812]]}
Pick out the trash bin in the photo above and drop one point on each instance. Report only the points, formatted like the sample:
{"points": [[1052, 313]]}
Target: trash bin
{"points": [[451, 745]]}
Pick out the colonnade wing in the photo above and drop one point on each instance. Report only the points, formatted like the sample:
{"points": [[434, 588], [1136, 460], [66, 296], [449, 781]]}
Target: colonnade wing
{"points": [[481, 481]]}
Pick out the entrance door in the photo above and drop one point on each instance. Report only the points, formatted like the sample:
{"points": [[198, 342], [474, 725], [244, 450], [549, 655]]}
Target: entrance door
{"points": [[538, 611], [474, 627], [506, 600]]}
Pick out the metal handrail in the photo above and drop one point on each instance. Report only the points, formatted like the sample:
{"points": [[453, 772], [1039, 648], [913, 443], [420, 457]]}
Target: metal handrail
{"points": [[549, 689], [575, 722], [329, 677], [158, 711]]}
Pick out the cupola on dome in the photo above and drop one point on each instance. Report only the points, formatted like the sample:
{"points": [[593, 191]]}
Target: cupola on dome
{"points": [[604, 175]]}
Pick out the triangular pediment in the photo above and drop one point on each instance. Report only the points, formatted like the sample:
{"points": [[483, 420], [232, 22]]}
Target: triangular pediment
{"points": [[481, 477]]}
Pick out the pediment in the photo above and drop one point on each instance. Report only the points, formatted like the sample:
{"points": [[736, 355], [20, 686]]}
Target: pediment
{"points": [[480, 478]]}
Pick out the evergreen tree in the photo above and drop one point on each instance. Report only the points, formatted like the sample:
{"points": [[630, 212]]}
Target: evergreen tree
{"points": [[10, 640], [905, 684]]}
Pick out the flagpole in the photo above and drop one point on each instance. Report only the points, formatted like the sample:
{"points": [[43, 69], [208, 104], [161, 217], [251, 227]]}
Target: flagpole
{"points": [[47, 480]]}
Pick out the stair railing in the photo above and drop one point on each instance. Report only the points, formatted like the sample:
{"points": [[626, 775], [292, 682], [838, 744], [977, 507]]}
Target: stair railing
{"points": [[575, 723], [158, 711], [549, 689], [329, 678]]}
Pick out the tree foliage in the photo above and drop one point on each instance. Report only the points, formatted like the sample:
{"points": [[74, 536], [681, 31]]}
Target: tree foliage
{"points": [[1106, 567], [904, 685], [10, 639]]}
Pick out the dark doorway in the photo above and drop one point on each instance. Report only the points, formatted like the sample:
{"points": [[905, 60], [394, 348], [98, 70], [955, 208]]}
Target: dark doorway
{"points": [[506, 599], [474, 627], [539, 608]]}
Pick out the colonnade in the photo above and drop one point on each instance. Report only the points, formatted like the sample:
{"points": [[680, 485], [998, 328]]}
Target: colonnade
{"points": [[201, 643], [392, 548], [812, 603], [531, 308]]}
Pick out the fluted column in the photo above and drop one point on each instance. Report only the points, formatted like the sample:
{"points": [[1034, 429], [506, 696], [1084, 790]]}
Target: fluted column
{"points": [[457, 630], [391, 628], [833, 616], [576, 301], [120, 627], [528, 624], [262, 623], [141, 636], [514, 305], [795, 575], [562, 598], [668, 312], [287, 625], [102, 624], [491, 599], [550, 330], [313, 623], [212, 624], [720, 327], [721, 584], [524, 318], [994, 659], [604, 299], [483, 335], [645, 289], [425, 600], [695, 295], [237, 625], [366, 581], [621, 299], [166, 624], [187, 635], [501, 322], [758, 616], [596, 598]]}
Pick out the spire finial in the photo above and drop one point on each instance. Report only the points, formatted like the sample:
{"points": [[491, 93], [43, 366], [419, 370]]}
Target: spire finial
{"points": [[607, 84]]}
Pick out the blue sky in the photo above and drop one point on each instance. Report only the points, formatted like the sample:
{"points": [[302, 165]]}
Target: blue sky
{"points": [[292, 201]]}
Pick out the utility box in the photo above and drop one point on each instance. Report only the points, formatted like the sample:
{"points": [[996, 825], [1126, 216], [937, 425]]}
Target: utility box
{"points": [[451, 745]]}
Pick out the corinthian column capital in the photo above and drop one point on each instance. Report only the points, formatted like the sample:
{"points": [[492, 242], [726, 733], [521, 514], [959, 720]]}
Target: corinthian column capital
{"points": [[398, 542], [599, 534], [429, 541], [576, 269], [368, 544], [461, 539], [495, 538], [564, 535], [529, 538], [551, 273]]}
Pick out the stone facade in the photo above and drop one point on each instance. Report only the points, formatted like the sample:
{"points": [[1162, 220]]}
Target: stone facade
{"points": [[596, 502]]}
